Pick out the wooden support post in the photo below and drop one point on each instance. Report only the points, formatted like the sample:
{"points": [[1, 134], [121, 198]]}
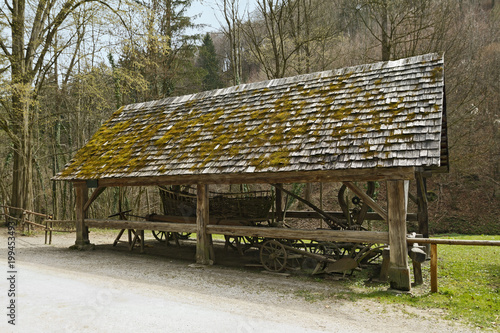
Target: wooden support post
{"points": [[422, 213], [434, 280], [203, 239], [279, 204], [82, 235], [397, 199]]}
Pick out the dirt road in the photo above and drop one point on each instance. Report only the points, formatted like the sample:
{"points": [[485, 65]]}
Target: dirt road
{"points": [[112, 289]]}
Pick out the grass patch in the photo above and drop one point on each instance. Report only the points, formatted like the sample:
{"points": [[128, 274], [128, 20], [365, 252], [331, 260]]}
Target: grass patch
{"points": [[468, 285]]}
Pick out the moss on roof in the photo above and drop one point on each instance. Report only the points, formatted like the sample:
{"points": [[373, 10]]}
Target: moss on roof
{"points": [[267, 126]]}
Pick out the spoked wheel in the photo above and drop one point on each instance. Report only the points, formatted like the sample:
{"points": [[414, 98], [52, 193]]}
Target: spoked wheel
{"points": [[160, 236], [370, 254], [328, 249], [183, 235], [238, 243], [273, 256]]}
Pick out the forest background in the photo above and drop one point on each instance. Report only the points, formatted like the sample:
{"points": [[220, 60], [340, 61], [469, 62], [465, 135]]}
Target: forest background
{"points": [[67, 65]]}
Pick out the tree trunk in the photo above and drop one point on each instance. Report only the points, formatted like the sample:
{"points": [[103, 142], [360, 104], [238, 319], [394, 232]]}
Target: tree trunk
{"points": [[386, 47]]}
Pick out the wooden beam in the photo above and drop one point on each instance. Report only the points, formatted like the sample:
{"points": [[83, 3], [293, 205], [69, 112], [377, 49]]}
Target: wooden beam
{"points": [[141, 225], [369, 201], [372, 174], [203, 240], [453, 241], [399, 271], [97, 192], [325, 235]]}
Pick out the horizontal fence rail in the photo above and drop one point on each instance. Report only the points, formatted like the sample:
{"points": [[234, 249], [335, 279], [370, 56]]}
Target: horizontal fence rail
{"points": [[435, 241], [25, 222]]}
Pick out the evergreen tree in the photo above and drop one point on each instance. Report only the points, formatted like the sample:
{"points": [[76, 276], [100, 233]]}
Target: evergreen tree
{"points": [[210, 64]]}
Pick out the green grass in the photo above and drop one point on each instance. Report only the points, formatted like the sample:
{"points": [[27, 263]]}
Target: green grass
{"points": [[468, 285]]}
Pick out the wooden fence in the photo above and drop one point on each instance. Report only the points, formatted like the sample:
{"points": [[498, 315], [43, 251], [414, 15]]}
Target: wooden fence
{"points": [[434, 242], [26, 225]]}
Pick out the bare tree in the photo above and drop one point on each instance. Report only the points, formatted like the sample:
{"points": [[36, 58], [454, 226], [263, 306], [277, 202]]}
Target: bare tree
{"points": [[231, 28], [30, 53]]}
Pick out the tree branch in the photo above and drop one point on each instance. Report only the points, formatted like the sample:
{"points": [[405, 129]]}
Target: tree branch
{"points": [[69, 7]]}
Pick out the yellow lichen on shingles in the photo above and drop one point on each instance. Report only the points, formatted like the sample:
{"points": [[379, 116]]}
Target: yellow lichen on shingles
{"points": [[113, 148], [205, 135], [436, 74]]}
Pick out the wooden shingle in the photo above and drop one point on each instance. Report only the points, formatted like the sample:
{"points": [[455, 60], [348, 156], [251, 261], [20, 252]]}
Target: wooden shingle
{"points": [[382, 115]]}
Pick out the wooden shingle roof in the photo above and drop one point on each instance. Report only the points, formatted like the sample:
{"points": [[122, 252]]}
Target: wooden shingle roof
{"points": [[382, 115]]}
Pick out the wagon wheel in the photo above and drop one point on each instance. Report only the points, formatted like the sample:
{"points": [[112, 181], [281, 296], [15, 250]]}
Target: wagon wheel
{"points": [[183, 235], [357, 214], [328, 249], [238, 243], [160, 236], [369, 254], [273, 256], [295, 260]]}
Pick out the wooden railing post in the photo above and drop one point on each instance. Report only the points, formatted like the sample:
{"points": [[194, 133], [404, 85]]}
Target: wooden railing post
{"points": [[23, 221], [434, 281], [6, 213]]}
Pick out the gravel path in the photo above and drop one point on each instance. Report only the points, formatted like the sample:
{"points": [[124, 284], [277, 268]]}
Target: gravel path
{"points": [[112, 289]]}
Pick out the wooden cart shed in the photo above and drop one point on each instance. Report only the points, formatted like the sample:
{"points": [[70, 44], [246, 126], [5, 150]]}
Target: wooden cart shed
{"points": [[377, 122]]}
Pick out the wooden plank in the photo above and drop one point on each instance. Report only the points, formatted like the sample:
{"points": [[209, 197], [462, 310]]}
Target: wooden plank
{"points": [[202, 219], [453, 241], [369, 201], [141, 225], [317, 234], [399, 271], [372, 174], [62, 221], [326, 235], [35, 224], [434, 281]]}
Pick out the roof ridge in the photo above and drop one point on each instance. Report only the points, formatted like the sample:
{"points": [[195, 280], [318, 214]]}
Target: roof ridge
{"points": [[285, 80]]}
